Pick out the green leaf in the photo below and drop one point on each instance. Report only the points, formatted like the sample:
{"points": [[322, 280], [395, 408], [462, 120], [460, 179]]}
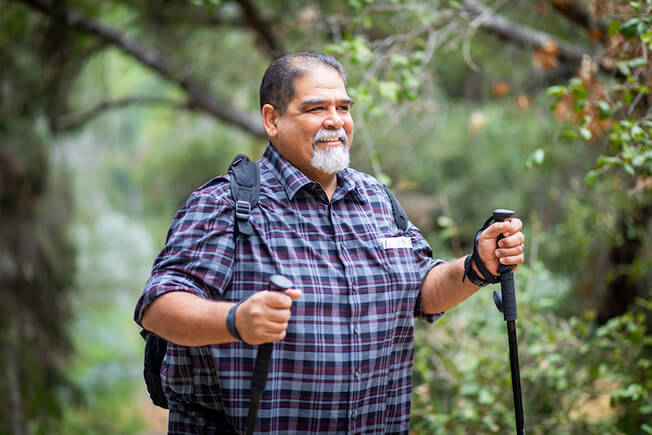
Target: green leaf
{"points": [[629, 29], [647, 37], [389, 90], [614, 27], [628, 97], [637, 132], [591, 177], [334, 49], [535, 159], [556, 90], [607, 161], [355, 4], [578, 89], [623, 67], [445, 221], [399, 60], [637, 62], [409, 80], [638, 160], [569, 133], [604, 111], [485, 397], [633, 391]]}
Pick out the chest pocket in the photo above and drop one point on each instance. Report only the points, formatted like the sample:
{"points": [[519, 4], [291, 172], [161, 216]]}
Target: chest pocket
{"points": [[400, 265], [383, 276]]}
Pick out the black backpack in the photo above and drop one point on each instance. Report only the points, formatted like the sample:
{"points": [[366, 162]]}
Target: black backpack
{"points": [[245, 189]]}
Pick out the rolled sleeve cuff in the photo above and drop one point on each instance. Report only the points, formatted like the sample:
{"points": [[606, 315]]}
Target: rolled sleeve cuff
{"points": [[159, 285], [418, 309]]}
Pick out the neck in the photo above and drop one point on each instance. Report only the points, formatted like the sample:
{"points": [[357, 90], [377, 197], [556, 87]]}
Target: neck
{"points": [[329, 185], [328, 182]]}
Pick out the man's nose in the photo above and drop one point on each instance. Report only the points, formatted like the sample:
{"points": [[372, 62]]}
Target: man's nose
{"points": [[333, 119]]}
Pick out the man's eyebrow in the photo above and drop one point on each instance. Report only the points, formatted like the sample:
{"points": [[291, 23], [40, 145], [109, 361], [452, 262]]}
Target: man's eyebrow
{"points": [[317, 101]]}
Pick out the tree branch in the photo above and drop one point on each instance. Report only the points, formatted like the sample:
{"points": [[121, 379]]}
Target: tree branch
{"points": [[200, 97], [577, 12], [72, 121], [522, 35], [259, 25]]}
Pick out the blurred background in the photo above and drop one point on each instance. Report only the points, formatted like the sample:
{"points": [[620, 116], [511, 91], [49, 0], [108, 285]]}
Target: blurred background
{"points": [[113, 112]]}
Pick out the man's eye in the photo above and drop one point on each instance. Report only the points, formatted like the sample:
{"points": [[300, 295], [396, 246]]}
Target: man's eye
{"points": [[344, 108], [316, 109]]}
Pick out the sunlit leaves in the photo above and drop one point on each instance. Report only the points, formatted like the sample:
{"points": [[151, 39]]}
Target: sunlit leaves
{"points": [[536, 158], [617, 104], [388, 89]]}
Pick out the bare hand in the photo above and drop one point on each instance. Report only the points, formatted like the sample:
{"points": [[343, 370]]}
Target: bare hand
{"points": [[509, 250], [264, 317]]}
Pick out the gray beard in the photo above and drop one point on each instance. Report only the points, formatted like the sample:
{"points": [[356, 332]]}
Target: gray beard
{"points": [[331, 160]]}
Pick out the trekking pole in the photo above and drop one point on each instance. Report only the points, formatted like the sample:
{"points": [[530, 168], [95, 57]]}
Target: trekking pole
{"points": [[507, 305], [263, 357]]}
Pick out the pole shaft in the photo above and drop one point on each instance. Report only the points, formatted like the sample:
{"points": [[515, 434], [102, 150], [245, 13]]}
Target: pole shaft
{"points": [[516, 377]]}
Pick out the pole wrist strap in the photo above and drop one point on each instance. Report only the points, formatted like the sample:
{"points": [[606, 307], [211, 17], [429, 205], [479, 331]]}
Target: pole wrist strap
{"points": [[489, 278], [471, 274]]}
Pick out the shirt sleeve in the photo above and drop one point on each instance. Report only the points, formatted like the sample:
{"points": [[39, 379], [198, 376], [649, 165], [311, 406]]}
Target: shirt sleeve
{"points": [[425, 262], [199, 251]]}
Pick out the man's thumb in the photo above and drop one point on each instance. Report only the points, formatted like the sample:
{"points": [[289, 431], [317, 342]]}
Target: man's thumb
{"points": [[293, 293]]}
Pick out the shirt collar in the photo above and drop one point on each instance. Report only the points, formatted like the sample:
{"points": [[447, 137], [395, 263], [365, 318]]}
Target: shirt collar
{"points": [[292, 179]]}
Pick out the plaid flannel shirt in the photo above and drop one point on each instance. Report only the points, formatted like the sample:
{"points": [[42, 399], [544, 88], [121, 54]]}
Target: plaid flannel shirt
{"points": [[345, 365]]}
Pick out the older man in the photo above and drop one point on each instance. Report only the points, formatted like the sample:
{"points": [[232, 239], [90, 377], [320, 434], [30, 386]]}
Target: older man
{"points": [[344, 338]]}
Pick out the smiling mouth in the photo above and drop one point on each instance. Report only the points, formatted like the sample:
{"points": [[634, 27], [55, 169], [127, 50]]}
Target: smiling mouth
{"points": [[330, 141]]}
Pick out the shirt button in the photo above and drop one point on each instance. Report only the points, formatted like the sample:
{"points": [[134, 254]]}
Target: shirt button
{"points": [[356, 373], [356, 329], [354, 414]]}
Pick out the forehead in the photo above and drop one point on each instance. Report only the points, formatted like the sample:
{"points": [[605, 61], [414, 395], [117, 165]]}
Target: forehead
{"points": [[319, 82]]}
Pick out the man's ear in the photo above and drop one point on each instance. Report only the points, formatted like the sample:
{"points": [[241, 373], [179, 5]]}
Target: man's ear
{"points": [[270, 120]]}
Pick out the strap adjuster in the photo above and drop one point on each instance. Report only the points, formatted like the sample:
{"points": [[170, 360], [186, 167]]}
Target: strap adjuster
{"points": [[242, 209]]}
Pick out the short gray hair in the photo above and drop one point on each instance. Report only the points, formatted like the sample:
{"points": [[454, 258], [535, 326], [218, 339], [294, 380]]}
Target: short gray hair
{"points": [[277, 86]]}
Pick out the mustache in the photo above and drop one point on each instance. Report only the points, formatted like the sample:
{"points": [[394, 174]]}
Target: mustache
{"points": [[323, 133]]}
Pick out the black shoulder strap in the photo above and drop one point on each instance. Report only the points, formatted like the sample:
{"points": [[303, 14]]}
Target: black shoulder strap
{"points": [[400, 217], [245, 188]]}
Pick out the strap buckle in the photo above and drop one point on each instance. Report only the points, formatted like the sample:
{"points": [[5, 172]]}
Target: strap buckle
{"points": [[242, 209]]}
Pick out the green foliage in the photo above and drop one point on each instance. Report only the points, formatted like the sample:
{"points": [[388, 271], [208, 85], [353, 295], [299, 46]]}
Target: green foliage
{"points": [[606, 122], [427, 119], [577, 377], [620, 103]]}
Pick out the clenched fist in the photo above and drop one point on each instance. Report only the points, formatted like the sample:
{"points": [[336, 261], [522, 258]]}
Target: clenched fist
{"points": [[264, 317]]}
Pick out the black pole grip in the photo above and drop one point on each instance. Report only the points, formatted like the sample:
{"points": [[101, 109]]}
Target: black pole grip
{"points": [[279, 283], [508, 295], [506, 302], [499, 215]]}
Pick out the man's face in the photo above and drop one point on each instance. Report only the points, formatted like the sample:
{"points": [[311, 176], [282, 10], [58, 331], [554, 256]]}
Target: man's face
{"points": [[317, 127]]}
